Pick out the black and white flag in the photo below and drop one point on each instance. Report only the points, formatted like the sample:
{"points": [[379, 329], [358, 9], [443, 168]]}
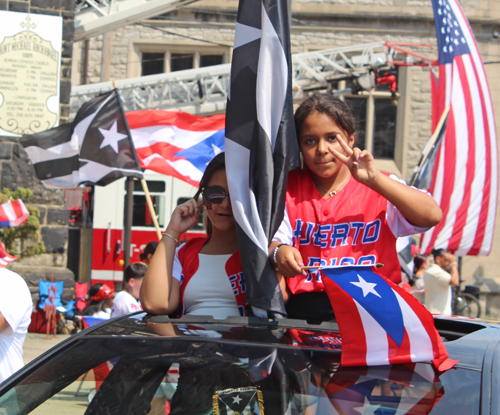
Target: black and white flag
{"points": [[261, 144], [95, 148], [246, 400]]}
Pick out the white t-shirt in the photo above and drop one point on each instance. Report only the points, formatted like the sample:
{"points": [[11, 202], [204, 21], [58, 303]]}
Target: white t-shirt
{"points": [[124, 303], [208, 292], [438, 290], [16, 307]]}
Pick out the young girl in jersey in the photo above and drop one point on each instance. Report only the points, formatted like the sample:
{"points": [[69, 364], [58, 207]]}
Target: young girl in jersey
{"points": [[340, 210], [204, 275]]}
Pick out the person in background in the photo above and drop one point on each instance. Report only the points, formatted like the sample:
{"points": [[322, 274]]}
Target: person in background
{"points": [[148, 252], [15, 317], [421, 263], [100, 301], [127, 301], [438, 280], [204, 276]]}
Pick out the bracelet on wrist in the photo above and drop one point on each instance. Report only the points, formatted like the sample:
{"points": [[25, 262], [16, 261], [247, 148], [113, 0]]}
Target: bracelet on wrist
{"points": [[275, 253], [170, 236]]}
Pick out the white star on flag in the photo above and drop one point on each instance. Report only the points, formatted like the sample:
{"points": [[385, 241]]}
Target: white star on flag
{"points": [[367, 408], [216, 149], [236, 399], [111, 137], [367, 287]]}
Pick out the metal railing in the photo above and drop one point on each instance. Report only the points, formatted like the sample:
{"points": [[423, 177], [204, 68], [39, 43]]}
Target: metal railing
{"points": [[205, 90]]}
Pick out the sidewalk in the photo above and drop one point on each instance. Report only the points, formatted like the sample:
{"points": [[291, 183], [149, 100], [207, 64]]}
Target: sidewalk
{"points": [[37, 343]]}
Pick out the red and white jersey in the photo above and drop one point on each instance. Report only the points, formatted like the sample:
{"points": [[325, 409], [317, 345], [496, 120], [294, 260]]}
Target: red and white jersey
{"points": [[187, 262], [357, 226], [124, 303]]}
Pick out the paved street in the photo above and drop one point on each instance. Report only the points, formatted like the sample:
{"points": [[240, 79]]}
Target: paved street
{"points": [[37, 343]]}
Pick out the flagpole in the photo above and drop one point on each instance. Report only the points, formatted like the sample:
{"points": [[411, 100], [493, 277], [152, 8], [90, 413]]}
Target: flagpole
{"points": [[151, 208], [430, 144], [127, 231]]}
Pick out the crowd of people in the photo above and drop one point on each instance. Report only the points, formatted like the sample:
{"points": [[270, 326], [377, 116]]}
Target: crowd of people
{"points": [[340, 210]]}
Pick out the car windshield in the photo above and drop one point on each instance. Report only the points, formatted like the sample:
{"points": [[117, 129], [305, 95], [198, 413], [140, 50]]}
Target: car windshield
{"points": [[199, 370]]}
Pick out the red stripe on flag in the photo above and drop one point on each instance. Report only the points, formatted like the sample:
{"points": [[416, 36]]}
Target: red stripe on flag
{"points": [[448, 151], [148, 118], [483, 215], [348, 319], [18, 211], [399, 354], [159, 164], [462, 212]]}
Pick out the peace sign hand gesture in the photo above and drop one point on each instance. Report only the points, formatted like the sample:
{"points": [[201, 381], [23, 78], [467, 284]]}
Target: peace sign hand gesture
{"points": [[361, 164]]}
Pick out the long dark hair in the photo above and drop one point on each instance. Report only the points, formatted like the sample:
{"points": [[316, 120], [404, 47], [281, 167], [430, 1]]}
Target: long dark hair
{"points": [[216, 164], [327, 104]]}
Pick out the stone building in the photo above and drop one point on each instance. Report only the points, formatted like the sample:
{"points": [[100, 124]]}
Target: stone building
{"points": [[16, 169]]}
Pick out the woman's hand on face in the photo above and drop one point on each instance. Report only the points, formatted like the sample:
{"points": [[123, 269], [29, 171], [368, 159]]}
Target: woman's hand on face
{"points": [[184, 217], [361, 164], [289, 261]]}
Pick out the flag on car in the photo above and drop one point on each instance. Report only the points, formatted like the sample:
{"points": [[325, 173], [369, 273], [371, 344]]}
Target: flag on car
{"points": [[379, 322], [5, 258], [261, 144], [95, 148], [238, 401], [13, 213], [176, 143], [465, 175]]}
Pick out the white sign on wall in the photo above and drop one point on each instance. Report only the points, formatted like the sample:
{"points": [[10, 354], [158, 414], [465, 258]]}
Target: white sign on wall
{"points": [[30, 67]]}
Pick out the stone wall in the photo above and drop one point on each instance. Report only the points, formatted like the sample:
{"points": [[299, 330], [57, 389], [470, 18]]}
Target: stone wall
{"points": [[16, 169]]}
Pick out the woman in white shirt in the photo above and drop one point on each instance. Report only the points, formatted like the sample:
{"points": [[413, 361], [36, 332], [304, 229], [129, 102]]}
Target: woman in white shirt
{"points": [[204, 275]]}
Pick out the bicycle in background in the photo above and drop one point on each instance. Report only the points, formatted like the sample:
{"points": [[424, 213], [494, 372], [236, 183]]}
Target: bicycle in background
{"points": [[466, 302]]}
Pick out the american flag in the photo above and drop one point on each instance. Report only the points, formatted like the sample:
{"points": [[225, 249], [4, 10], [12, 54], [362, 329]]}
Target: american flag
{"points": [[465, 176], [261, 145]]}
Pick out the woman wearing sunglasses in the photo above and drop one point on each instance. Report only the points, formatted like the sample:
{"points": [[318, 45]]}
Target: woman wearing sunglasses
{"points": [[204, 275]]}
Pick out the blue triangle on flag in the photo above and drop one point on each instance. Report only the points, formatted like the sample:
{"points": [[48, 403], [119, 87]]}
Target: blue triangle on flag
{"points": [[200, 154], [374, 294]]}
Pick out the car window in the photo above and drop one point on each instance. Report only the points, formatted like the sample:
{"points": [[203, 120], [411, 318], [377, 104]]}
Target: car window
{"points": [[126, 375]]}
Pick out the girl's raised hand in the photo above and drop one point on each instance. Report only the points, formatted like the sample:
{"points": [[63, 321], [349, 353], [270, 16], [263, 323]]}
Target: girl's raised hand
{"points": [[361, 164], [185, 216]]}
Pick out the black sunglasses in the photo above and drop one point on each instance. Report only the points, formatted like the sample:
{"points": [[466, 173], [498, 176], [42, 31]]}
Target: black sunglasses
{"points": [[214, 194]]}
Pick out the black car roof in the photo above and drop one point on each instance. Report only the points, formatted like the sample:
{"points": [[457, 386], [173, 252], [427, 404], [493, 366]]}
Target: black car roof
{"points": [[466, 340]]}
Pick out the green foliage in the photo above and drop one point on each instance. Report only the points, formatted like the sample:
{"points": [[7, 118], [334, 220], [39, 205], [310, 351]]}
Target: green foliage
{"points": [[25, 231], [33, 250]]}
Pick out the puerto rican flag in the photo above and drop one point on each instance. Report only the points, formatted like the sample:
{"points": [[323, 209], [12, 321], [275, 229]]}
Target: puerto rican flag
{"points": [[379, 322], [356, 390], [176, 143], [13, 213]]}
